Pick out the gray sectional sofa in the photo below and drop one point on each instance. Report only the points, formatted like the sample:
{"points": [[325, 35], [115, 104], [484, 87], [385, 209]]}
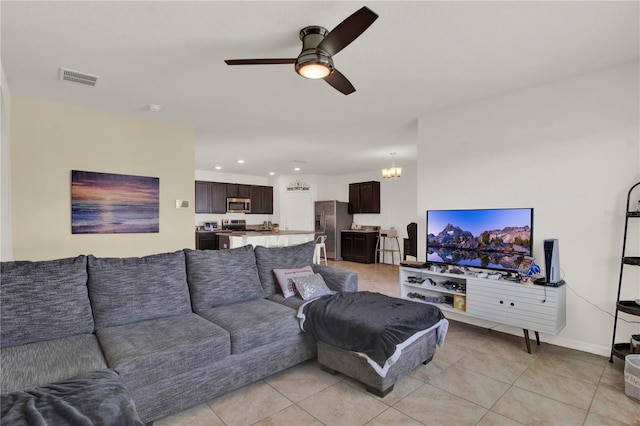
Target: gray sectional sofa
{"points": [[177, 328]]}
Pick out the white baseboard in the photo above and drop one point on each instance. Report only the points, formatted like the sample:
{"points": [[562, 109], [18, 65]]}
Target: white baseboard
{"points": [[552, 340]]}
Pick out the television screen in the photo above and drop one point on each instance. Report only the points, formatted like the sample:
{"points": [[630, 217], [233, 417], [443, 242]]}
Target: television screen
{"points": [[486, 238]]}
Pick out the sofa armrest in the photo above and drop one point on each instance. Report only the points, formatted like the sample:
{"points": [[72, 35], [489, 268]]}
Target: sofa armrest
{"points": [[338, 279]]}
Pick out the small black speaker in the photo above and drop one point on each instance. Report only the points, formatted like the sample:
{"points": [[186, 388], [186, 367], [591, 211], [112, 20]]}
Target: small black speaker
{"points": [[552, 261]]}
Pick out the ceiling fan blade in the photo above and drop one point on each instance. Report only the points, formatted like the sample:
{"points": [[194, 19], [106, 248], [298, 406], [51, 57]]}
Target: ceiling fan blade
{"points": [[273, 61], [339, 82], [347, 31]]}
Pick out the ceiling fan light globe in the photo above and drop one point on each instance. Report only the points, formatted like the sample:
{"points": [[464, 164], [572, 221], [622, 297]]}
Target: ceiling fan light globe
{"points": [[314, 71]]}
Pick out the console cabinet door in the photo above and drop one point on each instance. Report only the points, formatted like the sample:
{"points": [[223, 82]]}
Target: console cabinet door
{"points": [[528, 307]]}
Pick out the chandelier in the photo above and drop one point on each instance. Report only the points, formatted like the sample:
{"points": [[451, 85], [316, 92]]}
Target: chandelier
{"points": [[392, 172]]}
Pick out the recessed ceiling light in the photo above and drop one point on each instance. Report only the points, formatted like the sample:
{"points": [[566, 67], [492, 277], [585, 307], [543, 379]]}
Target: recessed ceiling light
{"points": [[272, 173], [240, 161], [297, 169], [154, 107], [218, 167]]}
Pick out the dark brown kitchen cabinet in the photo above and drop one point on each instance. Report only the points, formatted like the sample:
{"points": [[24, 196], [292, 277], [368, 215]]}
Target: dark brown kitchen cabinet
{"points": [[364, 197], [237, 190], [203, 197], [261, 199], [206, 241], [219, 201], [211, 197], [359, 246]]}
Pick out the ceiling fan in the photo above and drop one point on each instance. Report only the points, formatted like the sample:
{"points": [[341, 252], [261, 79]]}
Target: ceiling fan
{"points": [[318, 46]]}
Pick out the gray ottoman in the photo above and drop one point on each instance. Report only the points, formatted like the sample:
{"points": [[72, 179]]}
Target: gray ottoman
{"points": [[334, 359]]}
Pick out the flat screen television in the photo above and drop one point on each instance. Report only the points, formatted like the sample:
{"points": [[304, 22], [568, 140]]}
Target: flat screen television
{"points": [[496, 239]]}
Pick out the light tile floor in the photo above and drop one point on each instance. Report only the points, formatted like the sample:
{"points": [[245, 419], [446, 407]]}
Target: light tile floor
{"points": [[479, 377]]}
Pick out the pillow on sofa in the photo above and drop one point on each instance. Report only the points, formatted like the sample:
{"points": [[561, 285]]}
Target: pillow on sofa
{"points": [[285, 279], [268, 259], [132, 289], [44, 300], [222, 277], [312, 286]]}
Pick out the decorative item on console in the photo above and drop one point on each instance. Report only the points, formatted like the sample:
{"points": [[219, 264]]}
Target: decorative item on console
{"points": [[527, 269]]}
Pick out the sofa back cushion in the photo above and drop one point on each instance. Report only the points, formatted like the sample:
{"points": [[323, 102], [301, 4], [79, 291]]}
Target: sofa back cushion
{"points": [[133, 289], [222, 277], [271, 258], [44, 300]]}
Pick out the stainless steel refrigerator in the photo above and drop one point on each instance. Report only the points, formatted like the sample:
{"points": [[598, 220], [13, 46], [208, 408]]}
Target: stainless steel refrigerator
{"points": [[331, 217]]}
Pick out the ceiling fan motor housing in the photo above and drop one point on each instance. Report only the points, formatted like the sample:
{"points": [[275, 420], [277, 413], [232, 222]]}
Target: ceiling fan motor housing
{"points": [[311, 37]]}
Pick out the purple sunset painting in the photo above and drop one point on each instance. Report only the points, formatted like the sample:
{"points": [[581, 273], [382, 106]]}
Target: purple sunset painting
{"points": [[107, 203]]}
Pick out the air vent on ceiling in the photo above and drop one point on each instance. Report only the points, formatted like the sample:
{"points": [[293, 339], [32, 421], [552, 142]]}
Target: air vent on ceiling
{"points": [[78, 77]]}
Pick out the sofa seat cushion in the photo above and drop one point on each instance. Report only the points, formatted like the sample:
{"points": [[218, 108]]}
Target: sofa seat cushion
{"points": [[222, 277], [133, 289], [97, 398], [37, 364], [292, 302], [44, 300], [254, 323], [268, 259], [172, 345]]}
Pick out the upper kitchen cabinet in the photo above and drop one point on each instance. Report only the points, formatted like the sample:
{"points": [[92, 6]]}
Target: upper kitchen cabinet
{"points": [[236, 190], [211, 197], [261, 199], [364, 197]]}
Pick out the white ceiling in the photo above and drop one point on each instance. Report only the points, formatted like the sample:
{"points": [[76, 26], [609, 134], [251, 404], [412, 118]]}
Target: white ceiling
{"points": [[416, 58]]}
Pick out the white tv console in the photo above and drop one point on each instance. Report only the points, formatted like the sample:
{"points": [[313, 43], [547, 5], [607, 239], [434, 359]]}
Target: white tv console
{"points": [[526, 306]]}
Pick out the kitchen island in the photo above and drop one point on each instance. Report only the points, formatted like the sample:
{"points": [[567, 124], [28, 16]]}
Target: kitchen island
{"points": [[266, 238]]}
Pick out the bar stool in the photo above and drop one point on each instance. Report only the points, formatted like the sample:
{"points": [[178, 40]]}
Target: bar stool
{"points": [[382, 248], [320, 248]]}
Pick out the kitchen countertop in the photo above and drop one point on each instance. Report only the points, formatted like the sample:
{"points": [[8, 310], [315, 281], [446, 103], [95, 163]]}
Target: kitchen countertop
{"points": [[268, 238], [250, 232], [362, 231]]}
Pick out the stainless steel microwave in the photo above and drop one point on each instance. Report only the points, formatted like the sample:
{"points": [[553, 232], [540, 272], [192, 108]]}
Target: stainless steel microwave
{"points": [[238, 205]]}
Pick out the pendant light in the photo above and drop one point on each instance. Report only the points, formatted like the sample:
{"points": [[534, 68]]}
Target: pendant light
{"points": [[393, 172]]}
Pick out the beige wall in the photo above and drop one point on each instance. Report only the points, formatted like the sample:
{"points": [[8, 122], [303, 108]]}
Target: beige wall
{"points": [[48, 140], [6, 252]]}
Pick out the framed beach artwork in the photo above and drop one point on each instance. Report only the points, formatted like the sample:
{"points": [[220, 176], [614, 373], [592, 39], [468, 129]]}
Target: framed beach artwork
{"points": [[107, 203]]}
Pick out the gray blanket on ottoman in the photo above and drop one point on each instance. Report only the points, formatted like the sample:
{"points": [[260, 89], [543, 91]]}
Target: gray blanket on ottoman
{"points": [[371, 324], [96, 398]]}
